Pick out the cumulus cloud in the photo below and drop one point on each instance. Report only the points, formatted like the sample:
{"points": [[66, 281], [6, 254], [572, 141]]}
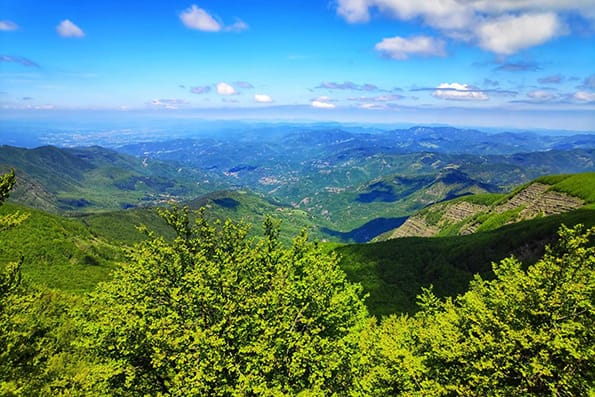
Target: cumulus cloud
{"points": [[459, 92], [542, 95], [402, 48], [8, 25], [225, 89], [323, 102], [500, 26], [262, 98], [237, 26], [437, 13], [67, 28], [583, 96], [20, 60], [200, 89], [509, 34], [199, 19], [348, 85]]}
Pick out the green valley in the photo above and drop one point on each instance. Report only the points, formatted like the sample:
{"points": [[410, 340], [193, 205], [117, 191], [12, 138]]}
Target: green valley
{"points": [[198, 268]]}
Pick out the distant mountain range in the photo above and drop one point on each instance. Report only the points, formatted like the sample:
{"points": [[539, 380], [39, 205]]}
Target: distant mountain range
{"points": [[349, 185]]}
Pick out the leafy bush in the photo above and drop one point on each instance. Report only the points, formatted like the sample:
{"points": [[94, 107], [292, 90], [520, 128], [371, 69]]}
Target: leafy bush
{"points": [[524, 333], [213, 313]]}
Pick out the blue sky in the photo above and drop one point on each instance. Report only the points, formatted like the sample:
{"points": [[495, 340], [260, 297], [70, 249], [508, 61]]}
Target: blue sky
{"points": [[508, 63]]}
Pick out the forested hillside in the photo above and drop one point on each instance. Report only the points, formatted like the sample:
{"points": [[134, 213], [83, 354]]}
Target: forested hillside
{"points": [[347, 185], [206, 309]]}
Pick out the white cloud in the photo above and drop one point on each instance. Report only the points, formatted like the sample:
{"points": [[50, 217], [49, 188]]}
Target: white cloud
{"points": [[458, 92], [446, 14], [323, 102], [237, 26], [505, 26], [584, 96], [67, 28], [8, 25], [586, 8], [199, 19], [225, 89], [402, 48], [453, 13], [354, 10], [262, 98], [510, 34], [541, 95], [323, 105], [168, 103]]}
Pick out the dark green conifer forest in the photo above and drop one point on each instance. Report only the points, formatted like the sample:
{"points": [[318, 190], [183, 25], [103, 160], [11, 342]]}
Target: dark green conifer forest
{"points": [[208, 309]]}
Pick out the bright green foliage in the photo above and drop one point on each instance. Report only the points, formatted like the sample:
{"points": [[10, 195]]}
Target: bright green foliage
{"points": [[215, 313], [33, 331], [58, 252], [393, 272], [579, 185], [10, 278], [525, 333], [37, 354], [7, 182]]}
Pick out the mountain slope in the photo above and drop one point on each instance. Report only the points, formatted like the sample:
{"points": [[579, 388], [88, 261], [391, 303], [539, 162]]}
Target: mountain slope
{"points": [[252, 208], [90, 178], [543, 197], [393, 272], [57, 252]]}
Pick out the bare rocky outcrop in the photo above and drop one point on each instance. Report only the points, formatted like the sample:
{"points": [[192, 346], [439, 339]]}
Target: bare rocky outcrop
{"points": [[455, 212], [537, 199], [415, 226], [461, 210]]}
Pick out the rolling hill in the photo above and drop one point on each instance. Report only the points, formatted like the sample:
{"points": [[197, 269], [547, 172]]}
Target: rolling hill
{"points": [[75, 253], [542, 197], [394, 271], [84, 179], [347, 185]]}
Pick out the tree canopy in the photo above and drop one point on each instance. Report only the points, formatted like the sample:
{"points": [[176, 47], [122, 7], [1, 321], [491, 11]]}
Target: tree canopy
{"points": [[213, 311], [527, 332]]}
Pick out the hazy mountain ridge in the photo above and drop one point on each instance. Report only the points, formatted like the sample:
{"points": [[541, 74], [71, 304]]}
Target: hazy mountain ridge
{"points": [[344, 181]]}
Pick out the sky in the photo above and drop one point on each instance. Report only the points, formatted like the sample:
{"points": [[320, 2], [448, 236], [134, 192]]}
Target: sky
{"points": [[504, 63]]}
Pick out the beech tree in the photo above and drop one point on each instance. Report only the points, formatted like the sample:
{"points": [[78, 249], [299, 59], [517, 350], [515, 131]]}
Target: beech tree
{"points": [[215, 313], [527, 332], [10, 277]]}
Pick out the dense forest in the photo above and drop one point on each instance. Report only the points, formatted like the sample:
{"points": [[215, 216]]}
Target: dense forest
{"points": [[209, 309]]}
